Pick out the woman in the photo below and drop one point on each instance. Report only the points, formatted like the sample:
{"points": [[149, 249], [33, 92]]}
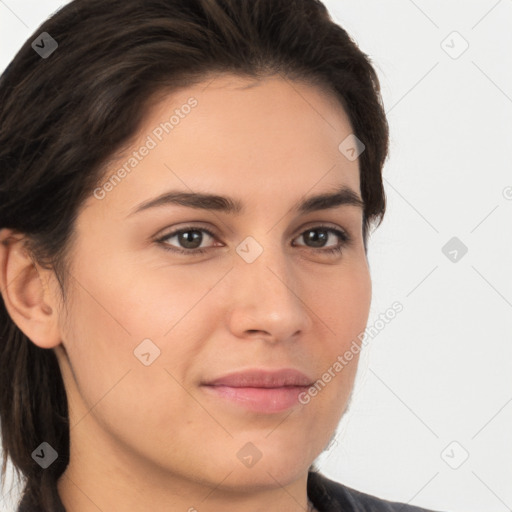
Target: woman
{"points": [[186, 193]]}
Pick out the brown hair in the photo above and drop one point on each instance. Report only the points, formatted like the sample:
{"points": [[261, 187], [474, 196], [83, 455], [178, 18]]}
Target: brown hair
{"points": [[63, 117]]}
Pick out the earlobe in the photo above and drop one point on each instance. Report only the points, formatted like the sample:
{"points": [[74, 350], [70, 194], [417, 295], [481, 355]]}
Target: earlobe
{"points": [[28, 301]]}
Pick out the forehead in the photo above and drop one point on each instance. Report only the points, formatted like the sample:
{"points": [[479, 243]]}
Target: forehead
{"points": [[230, 135]]}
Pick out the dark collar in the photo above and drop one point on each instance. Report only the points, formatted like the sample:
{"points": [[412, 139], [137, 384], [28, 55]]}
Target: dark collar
{"points": [[330, 496]]}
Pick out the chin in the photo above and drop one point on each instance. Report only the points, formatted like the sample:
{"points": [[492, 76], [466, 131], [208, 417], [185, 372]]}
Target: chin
{"points": [[274, 474]]}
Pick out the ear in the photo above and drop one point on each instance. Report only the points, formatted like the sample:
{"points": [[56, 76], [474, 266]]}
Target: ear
{"points": [[26, 292]]}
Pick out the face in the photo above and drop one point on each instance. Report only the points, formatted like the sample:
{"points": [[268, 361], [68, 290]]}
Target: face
{"points": [[151, 321]]}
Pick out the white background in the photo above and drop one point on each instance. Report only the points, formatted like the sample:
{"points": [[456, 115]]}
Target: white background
{"points": [[441, 371]]}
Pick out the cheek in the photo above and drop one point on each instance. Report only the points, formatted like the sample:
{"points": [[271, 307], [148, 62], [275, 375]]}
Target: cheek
{"points": [[342, 304], [98, 345], [109, 384], [117, 306], [343, 309], [151, 298]]}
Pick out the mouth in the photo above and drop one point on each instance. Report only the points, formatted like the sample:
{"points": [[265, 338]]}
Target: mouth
{"points": [[260, 391]]}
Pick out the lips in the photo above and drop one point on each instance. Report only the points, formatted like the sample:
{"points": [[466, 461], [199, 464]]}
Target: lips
{"points": [[259, 391], [263, 379]]}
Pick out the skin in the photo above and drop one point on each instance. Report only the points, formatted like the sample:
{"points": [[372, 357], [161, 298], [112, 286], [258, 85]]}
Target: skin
{"points": [[149, 437]]}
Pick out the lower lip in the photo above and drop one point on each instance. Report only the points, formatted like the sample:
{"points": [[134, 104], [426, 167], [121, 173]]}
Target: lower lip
{"points": [[262, 400]]}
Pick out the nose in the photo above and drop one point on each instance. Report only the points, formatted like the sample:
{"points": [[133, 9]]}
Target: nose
{"points": [[266, 296]]}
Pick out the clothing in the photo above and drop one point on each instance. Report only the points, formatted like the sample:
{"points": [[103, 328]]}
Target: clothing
{"points": [[330, 496]]}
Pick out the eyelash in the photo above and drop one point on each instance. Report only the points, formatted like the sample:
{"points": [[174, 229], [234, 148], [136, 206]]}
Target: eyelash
{"points": [[344, 237]]}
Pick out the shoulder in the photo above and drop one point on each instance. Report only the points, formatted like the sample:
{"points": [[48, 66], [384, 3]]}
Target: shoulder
{"points": [[330, 496]]}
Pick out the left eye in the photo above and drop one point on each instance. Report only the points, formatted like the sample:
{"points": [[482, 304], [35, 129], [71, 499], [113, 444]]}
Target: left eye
{"points": [[191, 237]]}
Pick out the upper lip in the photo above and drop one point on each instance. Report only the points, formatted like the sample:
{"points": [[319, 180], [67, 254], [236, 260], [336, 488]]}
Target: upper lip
{"points": [[259, 378]]}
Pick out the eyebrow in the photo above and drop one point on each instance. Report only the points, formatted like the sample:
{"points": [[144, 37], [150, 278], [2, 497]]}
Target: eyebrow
{"points": [[328, 200]]}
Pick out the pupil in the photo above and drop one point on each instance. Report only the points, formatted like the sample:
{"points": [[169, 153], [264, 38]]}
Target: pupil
{"points": [[315, 238], [187, 240]]}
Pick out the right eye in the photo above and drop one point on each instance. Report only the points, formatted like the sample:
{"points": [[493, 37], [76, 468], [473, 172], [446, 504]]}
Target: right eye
{"points": [[189, 239]]}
